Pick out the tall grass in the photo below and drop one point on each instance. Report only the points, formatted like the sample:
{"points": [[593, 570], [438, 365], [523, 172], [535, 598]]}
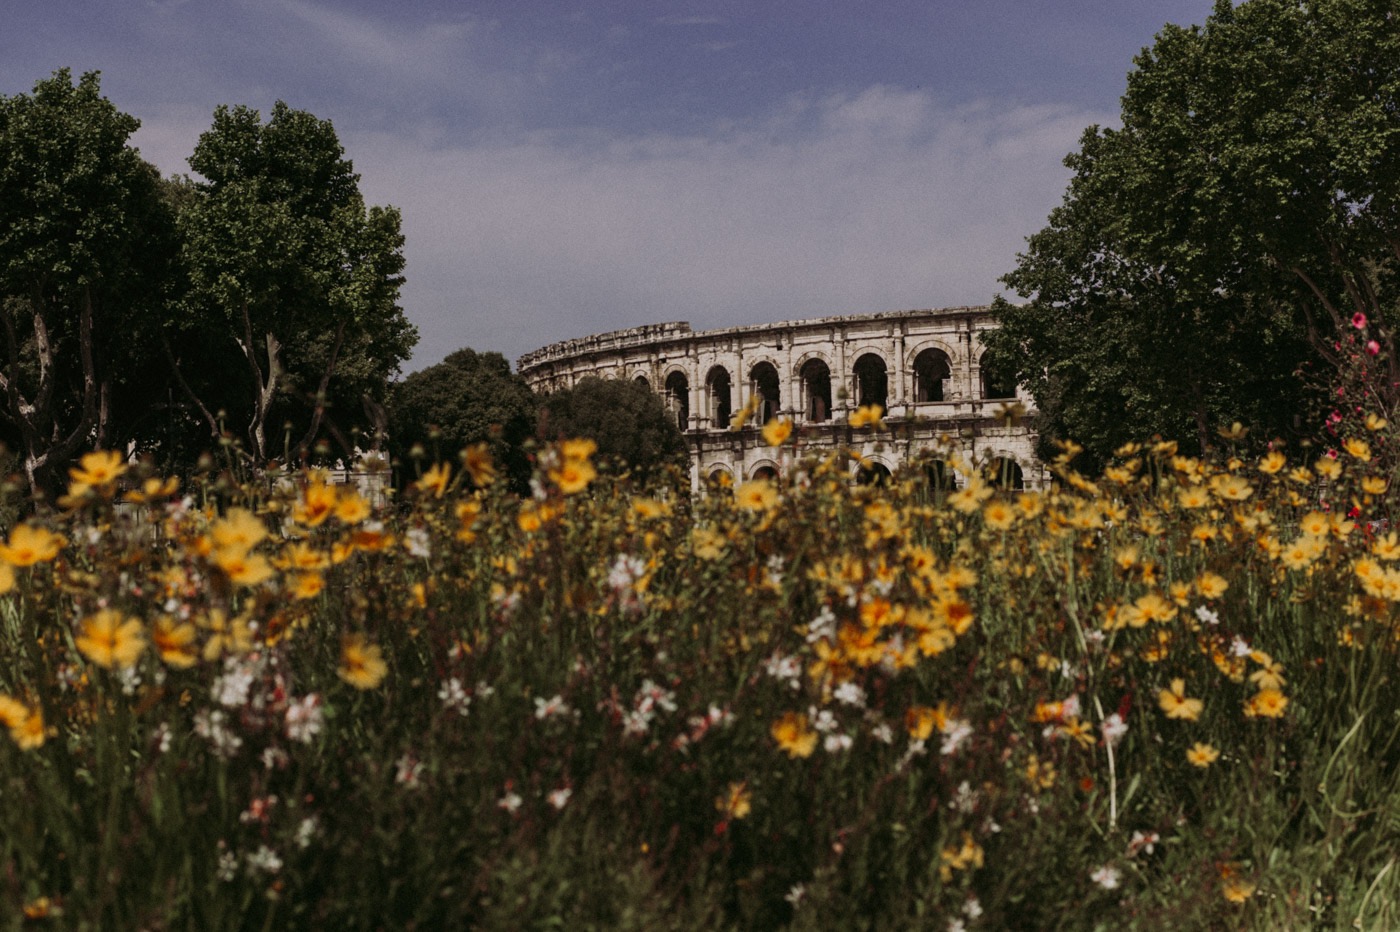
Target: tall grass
{"points": [[265, 704]]}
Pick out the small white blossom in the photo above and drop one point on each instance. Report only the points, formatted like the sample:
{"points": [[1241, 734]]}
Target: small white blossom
{"points": [[210, 725], [1114, 728], [417, 543], [306, 831], [304, 718], [408, 772], [835, 743], [795, 894], [454, 697], [955, 732], [850, 693], [1240, 647], [549, 708], [510, 801], [1207, 616], [560, 798], [1106, 877], [265, 860]]}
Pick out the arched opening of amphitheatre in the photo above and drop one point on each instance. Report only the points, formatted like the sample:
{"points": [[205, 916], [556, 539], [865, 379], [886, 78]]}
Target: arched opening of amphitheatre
{"points": [[678, 398], [643, 381], [940, 478], [763, 385], [767, 471], [872, 381], [816, 391], [931, 373], [995, 384], [870, 472], [1005, 473], [717, 388]]}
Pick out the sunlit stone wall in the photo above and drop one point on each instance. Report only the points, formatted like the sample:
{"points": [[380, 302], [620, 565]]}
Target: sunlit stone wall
{"points": [[924, 367]]}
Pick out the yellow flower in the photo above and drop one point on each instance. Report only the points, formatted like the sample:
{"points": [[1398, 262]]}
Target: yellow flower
{"points": [[12, 711], [776, 431], [1202, 755], [967, 856], [29, 733], [867, 416], [736, 802], [307, 585], [110, 639], [573, 475], [1314, 523], [96, 469], [435, 480], [173, 640], [793, 735], [1373, 485], [153, 489], [1267, 703], [998, 515], [317, 502], [1231, 488], [351, 507], [1375, 422], [579, 448], [243, 568], [1211, 586], [1174, 702], [239, 530], [1271, 464], [30, 544], [1193, 496], [1234, 887], [226, 636], [1327, 467], [1358, 448], [756, 495], [476, 460], [361, 663], [923, 721], [971, 496]]}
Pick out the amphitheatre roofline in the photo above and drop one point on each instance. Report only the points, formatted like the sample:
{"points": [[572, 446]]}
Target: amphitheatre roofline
{"points": [[679, 330]]}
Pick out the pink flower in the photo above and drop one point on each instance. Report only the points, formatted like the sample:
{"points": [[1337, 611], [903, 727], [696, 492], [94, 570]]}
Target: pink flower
{"points": [[1358, 320], [1372, 347]]}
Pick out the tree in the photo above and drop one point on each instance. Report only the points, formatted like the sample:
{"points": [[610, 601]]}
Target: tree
{"points": [[1228, 233], [288, 267], [86, 244], [627, 420], [466, 399]]}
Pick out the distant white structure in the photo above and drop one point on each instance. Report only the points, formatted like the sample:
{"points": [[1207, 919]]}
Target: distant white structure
{"points": [[924, 367]]}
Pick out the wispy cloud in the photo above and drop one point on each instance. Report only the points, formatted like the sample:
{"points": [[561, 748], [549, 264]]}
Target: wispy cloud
{"points": [[890, 200]]}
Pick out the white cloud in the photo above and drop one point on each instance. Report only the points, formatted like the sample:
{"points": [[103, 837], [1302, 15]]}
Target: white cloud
{"points": [[880, 200], [887, 200]]}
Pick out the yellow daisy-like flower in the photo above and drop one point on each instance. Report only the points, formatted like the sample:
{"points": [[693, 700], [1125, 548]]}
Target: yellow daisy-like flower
{"points": [[867, 416], [110, 639], [1233, 887], [317, 502], [351, 507], [30, 544], [239, 530], [579, 448], [174, 641], [1174, 702], [96, 469], [1211, 586], [476, 460], [756, 495], [573, 475], [1374, 485], [361, 663], [1375, 422], [1193, 496], [776, 431], [1327, 467], [1358, 449], [435, 480], [793, 735], [1231, 488], [243, 568], [1202, 755], [29, 733], [1271, 464], [736, 801], [998, 515], [307, 585], [1267, 703]]}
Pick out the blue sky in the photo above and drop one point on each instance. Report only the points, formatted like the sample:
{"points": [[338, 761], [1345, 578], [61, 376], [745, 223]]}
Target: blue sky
{"points": [[566, 168]]}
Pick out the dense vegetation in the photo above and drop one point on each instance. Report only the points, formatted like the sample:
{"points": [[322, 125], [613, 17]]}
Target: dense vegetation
{"points": [[1160, 697]]}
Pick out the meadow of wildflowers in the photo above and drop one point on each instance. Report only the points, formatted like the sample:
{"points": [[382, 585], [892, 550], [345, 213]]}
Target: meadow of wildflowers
{"points": [[1162, 697]]}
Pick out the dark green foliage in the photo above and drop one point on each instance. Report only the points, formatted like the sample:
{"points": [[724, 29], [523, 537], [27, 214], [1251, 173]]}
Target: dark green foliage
{"points": [[86, 244], [627, 420], [467, 398], [1247, 208]]}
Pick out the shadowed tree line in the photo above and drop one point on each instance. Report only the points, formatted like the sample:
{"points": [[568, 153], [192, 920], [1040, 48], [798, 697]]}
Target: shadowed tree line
{"points": [[254, 305]]}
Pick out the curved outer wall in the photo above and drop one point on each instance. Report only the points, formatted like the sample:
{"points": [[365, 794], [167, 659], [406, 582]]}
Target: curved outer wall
{"points": [[922, 401]]}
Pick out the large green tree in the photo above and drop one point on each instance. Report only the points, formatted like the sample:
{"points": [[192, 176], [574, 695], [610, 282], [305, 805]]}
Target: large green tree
{"points": [[86, 245], [466, 399], [1229, 232], [291, 274], [627, 420]]}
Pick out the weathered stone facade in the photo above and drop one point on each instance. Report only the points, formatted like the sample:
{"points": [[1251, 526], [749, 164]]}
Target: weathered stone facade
{"points": [[923, 366]]}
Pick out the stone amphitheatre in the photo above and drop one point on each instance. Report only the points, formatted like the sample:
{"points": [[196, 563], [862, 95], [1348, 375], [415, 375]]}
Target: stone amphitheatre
{"points": [[924, 367]]}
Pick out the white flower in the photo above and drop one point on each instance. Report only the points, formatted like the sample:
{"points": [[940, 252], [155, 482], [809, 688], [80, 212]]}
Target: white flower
{"points": [[210, 725], [625, 572], [823, 626], [1207, 616], [823, 721], [795, 894], [417, 543], [232, 688], [783, 668], [306, 831], [955, 732], [228, 864], [883, 733], [1114, 728], [304, 718], [1240, 647], [1142, 841], [510, 802], [1106, 877], [834, 743], [548, 708], [972, 908], [408, 772], [850, 693], [265, 860], [454, 696], [560, 798]]}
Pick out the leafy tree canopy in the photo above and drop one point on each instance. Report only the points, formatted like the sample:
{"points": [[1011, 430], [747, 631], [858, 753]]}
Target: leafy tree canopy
{"points": [[627, 420], [466, 399], [1234, 227]]}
